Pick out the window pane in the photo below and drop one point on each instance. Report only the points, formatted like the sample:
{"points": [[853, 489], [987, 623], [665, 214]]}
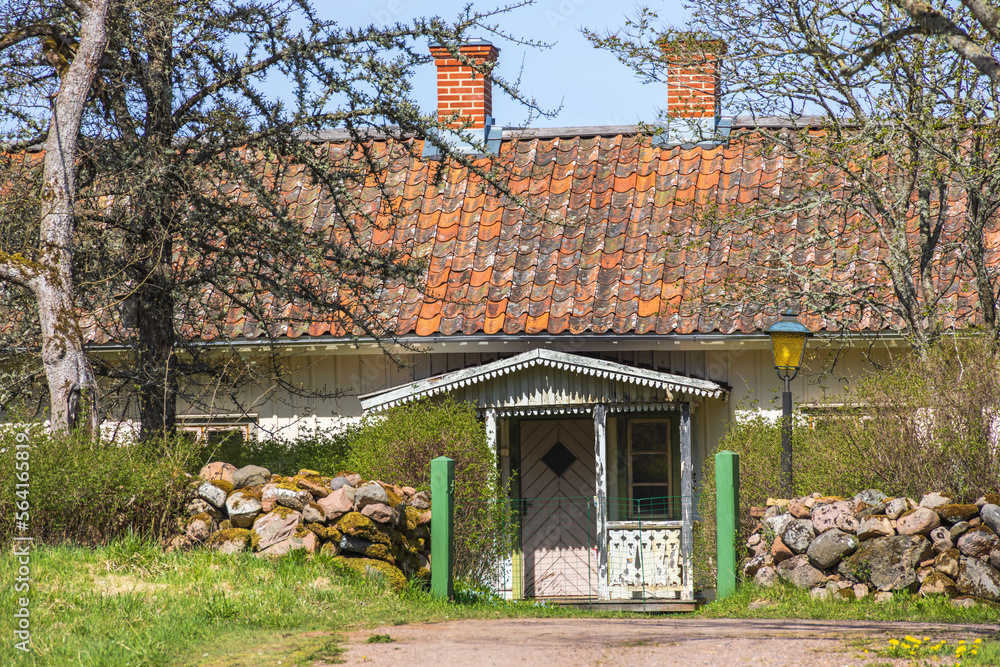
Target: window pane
{"points": [[650, 468], [650, 437], [650, 501]]}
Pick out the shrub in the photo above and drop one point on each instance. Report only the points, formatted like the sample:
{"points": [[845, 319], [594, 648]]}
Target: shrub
{"points": [[399, 446], [90, 491], [322, 450], [927, 423]]}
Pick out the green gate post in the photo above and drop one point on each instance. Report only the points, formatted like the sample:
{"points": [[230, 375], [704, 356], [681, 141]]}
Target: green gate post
{"points": [[727, 500], [442, 526]]}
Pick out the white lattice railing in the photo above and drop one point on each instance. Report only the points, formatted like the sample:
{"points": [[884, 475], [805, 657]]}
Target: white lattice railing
{"points": [[645, 562]]}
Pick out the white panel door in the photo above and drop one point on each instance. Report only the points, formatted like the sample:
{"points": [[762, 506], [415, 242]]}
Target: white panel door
{"points": [[558, 529]]}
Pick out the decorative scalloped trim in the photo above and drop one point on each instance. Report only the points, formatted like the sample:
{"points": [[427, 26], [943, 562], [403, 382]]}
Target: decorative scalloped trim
{"points": [[535, 360]]}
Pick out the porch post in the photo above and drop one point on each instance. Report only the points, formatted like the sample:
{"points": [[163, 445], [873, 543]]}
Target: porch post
{"points": [[600, 499], [491, 429], [687, 501]]}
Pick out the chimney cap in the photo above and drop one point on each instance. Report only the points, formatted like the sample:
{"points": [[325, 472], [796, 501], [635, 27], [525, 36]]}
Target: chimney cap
{"points": [[473, 41]]}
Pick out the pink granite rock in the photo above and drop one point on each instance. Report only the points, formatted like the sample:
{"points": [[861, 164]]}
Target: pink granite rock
{"points": [[838, 514], [268, 497], [275, 527], [920, 521], [779, 551], [337, 504], [218, 470], [284, 546], [379, 513], [314, 513]]}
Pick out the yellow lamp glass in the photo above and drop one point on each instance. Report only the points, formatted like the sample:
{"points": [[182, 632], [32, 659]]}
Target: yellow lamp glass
{"points": [[787, 348]]}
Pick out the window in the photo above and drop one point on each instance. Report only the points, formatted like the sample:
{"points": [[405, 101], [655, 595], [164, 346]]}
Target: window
{"points": [[649, 450], [222, 436], [646, 474]]}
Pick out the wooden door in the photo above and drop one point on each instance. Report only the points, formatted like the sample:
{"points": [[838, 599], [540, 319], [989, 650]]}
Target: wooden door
{"points": [[559, 525]]}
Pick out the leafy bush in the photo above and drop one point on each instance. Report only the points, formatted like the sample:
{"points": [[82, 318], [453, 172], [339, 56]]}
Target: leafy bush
{"points": [[322, 450], [89, 491], [399, 446], [926, 423]]}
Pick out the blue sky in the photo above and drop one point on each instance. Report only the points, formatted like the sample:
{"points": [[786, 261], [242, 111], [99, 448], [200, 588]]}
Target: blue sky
{"points": [[593, 87]]}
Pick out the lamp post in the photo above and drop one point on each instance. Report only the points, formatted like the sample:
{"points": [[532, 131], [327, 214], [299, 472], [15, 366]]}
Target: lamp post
{"points": [[788, 341]]}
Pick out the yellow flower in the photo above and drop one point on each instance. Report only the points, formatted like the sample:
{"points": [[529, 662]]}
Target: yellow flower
{"points": [[894, 642], [927, 639], [911, 639], [961, 641], [978, 641], [960, 650]]}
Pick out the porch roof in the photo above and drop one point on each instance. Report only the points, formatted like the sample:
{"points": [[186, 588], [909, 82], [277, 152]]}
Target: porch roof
{"points": [[653, 385]]}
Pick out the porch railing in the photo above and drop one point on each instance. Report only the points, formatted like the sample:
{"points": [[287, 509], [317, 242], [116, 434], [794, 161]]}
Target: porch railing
{"points": [[556, 556]]}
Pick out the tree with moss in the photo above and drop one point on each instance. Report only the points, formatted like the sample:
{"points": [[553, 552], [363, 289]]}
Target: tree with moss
{"points": [[51, 55], [888, 140], [201, 116]]}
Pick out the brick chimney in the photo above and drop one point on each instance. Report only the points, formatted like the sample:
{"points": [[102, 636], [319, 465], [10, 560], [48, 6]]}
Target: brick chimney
{"points": [[693, 82], [461, 88]]}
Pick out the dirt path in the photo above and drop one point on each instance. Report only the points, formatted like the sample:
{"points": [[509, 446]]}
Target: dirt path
{"points": [[685, 641]]}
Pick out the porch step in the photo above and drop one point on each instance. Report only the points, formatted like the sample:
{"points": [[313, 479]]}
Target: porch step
{"points": [[650, 606]]}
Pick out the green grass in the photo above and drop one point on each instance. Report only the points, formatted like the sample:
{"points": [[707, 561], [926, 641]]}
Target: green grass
{"points": [[131, 604], [786, 601]]}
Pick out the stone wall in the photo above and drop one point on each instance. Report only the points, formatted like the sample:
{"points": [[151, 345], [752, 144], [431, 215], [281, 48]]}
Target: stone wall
{"points": [[366, 525], [874, 545]]}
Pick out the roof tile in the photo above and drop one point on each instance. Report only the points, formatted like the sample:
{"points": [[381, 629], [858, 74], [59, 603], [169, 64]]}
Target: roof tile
{"points": [[617, 238]]}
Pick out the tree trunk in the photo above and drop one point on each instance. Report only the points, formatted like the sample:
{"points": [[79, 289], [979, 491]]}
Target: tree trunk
{"points": [[71, 383], [157, 364], [155, 314]]}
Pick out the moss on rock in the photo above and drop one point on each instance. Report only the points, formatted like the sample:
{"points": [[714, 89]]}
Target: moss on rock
{"points": [[357, 524], [325, 533], [254, 492], [222, 484], [375, 569], [380, 552], [412, 517], [282, 511], [230, 535], [395, 500], [954, 513], [312, 478]]}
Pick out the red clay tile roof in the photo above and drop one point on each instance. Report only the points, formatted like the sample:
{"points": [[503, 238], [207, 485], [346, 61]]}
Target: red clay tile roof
{"points": [[615, 245]]}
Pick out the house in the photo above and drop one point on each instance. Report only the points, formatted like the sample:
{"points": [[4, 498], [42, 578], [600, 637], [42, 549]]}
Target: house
{"points": [[581, 328]]}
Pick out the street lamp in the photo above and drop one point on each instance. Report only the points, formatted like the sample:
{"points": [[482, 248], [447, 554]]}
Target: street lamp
{"points": [[788, 342]]}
